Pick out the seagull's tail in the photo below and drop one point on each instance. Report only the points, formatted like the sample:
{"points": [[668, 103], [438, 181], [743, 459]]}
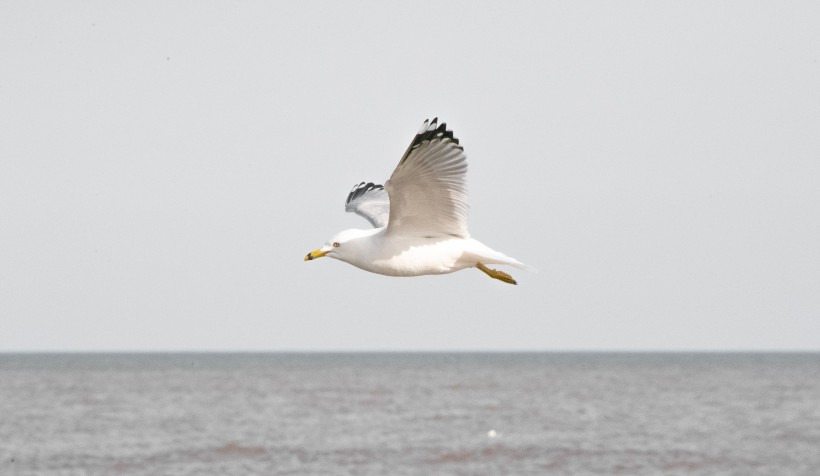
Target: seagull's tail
{"points": [[515, 263], [488, 255]]}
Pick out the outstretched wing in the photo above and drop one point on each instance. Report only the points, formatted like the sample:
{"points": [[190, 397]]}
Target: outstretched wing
{"points": [[371, 202], [428, 194]]}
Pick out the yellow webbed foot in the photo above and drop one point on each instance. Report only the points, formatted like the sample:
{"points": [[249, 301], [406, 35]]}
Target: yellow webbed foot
{"points": [[496, 274]]}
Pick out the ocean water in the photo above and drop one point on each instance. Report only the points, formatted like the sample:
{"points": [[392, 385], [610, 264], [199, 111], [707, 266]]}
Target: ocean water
{"points": [[395, 414]]}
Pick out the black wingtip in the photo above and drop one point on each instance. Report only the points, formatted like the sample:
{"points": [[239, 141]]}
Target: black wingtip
{"points": [[429, 131]]}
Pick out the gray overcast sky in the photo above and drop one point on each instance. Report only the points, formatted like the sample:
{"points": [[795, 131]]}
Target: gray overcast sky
{"points": [[165, 166]]}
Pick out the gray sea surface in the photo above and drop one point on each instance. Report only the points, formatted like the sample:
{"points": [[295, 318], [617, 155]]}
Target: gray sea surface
{"points": [[410, 413]]}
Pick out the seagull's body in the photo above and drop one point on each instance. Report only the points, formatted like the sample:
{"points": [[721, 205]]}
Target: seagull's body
{"points": [[376, 251], [419, 216]]}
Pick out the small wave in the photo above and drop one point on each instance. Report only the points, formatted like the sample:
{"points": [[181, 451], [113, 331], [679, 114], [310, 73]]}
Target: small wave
{"points": [[234, 449]]}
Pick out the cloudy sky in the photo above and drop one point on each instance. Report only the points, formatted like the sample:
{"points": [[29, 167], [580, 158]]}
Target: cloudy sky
{"points": [[165, 166]]}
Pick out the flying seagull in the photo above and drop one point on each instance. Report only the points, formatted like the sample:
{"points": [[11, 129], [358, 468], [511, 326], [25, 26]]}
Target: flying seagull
{"points": [[419, 216]]}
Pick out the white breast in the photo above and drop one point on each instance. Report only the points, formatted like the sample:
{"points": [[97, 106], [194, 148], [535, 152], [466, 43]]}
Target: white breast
{"points": [[413, 257]]}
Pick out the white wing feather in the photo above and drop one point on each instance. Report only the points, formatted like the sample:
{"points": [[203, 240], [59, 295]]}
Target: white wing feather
{"points": [[427, 191], [370, 201]]}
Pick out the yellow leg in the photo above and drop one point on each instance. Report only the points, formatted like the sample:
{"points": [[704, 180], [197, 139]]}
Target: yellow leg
{"points": [[496, 274]]}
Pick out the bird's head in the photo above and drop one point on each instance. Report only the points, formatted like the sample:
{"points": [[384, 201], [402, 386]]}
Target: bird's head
{"points": [[341, 246]]}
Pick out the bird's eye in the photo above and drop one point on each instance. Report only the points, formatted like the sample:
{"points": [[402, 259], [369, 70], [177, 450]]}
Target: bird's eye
{"points": [[335, 244]]}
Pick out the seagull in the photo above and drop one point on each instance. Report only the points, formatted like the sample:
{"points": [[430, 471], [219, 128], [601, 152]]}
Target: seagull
{"points": [[419, 216]]}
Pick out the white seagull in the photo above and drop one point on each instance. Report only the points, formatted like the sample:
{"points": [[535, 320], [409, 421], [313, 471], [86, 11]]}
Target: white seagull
{"points": [[419, 216]]}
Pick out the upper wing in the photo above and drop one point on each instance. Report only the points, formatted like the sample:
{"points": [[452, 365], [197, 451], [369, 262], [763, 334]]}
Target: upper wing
{"points": [[369, 201], [427, 190]]}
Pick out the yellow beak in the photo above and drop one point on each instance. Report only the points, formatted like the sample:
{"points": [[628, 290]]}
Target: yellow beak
{"points": [[315, 254]]}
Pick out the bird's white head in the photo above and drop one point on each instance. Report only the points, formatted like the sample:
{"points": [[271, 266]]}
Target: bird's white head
{"points": [[344, 245]]}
